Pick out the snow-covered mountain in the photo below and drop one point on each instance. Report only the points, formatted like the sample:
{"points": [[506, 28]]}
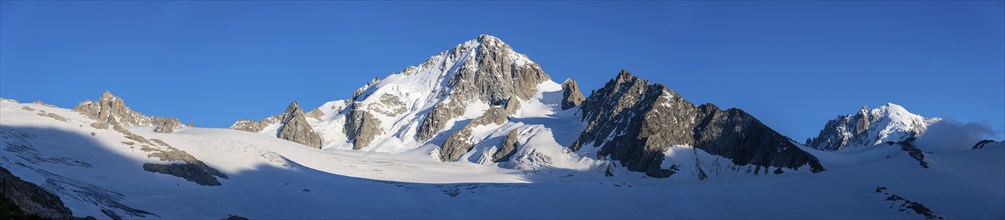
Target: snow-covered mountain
{"points": [[867, 127], [481, 131], [461, 104]]}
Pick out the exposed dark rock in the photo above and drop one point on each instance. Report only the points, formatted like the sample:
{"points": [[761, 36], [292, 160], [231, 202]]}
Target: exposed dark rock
{"points": [[634, 122], [190, 168], [459, 143], [294, 127], [507, 148], [914, 152], [980, 144], [361, 127], [198, 173], [436, 119], [234, 217], [571, 96], [907, 206], [20, 199]]}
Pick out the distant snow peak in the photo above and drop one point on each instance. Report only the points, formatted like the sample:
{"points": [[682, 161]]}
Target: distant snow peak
{"points": [[890, 122]]}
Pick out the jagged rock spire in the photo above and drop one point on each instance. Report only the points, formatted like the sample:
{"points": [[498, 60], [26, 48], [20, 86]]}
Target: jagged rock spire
{"points": [[571, 96], [294, 127]]}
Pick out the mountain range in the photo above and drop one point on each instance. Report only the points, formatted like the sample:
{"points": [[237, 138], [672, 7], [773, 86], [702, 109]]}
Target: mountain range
{"points": [[481, 131]]}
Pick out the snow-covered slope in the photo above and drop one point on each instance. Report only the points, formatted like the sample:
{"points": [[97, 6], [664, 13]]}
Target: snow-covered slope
{"points": [[890, 122], [96, 173]]}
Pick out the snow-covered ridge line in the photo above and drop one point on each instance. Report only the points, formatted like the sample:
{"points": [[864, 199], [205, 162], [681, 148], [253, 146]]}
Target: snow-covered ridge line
{"points": [[867, 127]]}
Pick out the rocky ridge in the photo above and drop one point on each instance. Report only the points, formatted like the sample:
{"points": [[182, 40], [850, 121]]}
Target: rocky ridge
{"points": [[110, 110], [634, 122]]}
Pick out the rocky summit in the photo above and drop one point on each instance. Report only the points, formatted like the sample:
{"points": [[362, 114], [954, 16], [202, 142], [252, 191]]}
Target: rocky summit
{"points": [[294, 127], [635, 122], [571, 96], [110, 110]]}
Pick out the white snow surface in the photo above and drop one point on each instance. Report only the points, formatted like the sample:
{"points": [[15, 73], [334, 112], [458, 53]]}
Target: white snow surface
{"points": [[896, 123], [271, 178]]}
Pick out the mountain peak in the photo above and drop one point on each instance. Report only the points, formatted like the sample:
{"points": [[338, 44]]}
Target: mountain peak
{"points": [[890, 122], [292, 107], [112, 110], [483, 38], [624, 75], [107, 95]]}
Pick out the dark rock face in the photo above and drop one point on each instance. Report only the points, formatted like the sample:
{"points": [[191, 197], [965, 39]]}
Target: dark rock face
{"points": [[437, 118], [459, 143], [24, 199], [841, 131], [980, 144], [507, 148], [294, 127], [189, 168], [361, 127], [634, 122], [914, 152], [571, 96], [198, 173], [907, 206]]}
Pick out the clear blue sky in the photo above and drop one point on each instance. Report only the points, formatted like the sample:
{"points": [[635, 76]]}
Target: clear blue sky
{"points": [[794, 65]]}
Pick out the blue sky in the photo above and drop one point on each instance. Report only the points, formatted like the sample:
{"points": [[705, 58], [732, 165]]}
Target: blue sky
{"points": [[793, 65]]}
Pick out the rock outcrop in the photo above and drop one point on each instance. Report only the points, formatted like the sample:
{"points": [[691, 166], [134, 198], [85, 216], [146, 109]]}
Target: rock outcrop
{"points": [[110, 110], [182, 164], [294, 127], [361, 127], [512, 105], [253, 126], [981, 144], [571, 96], [507, 148], [165, 125], [22, 199], [459, 143], [635, 122], [867, 127]]}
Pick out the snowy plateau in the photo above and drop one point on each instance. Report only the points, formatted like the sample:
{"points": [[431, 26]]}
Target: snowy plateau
{"points": [[480, 131]]}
